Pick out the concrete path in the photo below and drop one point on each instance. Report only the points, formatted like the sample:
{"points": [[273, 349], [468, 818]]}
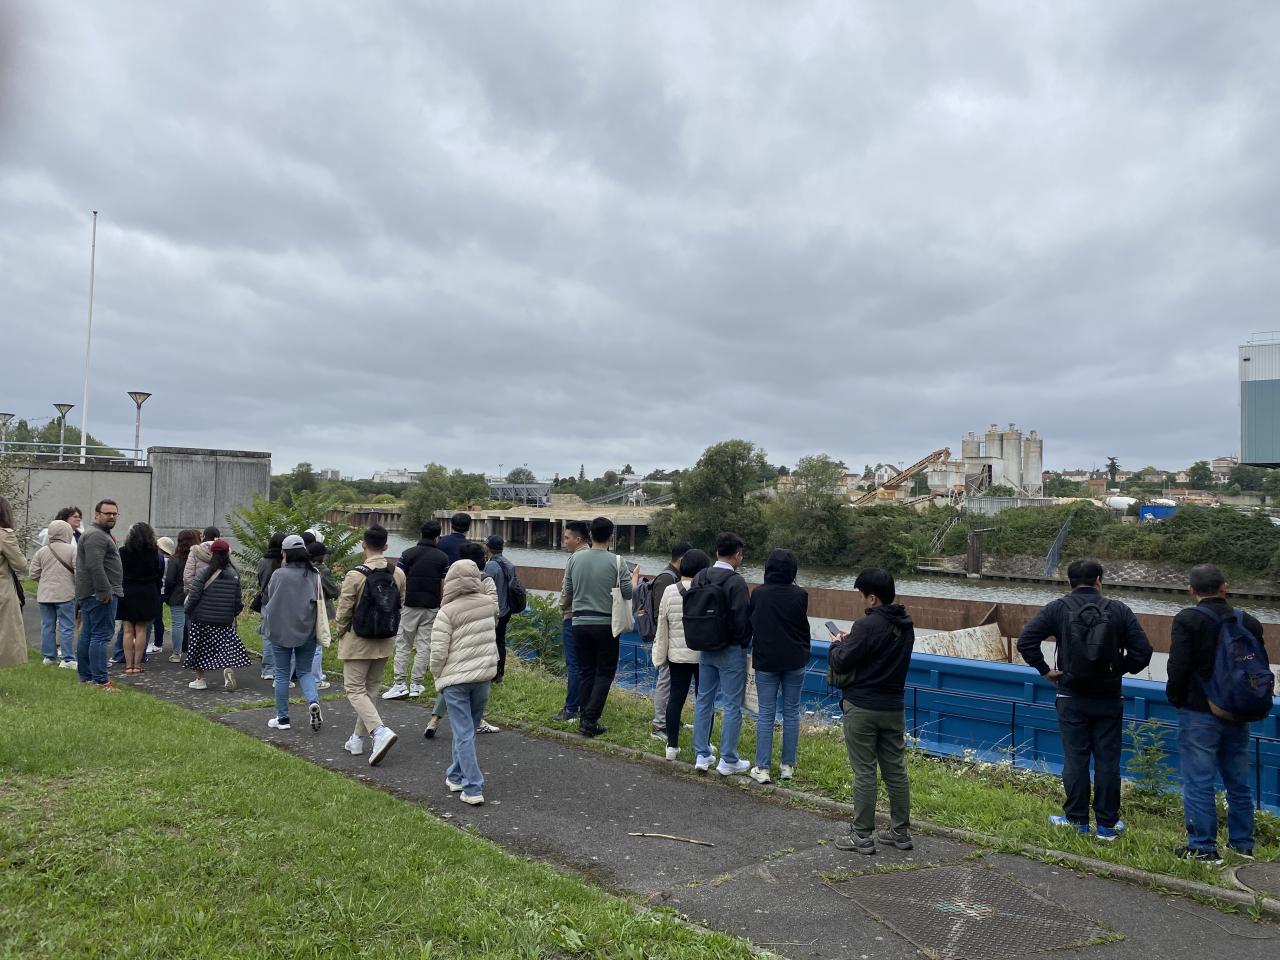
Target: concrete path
{"points": [[773, 875]]}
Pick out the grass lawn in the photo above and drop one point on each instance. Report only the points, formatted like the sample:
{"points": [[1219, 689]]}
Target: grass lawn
{"points": [[130, 827], [991, 799]]}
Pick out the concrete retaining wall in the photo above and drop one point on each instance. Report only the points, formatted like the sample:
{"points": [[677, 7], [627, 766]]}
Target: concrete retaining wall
{"points": [[52, 486], [195, 488]]}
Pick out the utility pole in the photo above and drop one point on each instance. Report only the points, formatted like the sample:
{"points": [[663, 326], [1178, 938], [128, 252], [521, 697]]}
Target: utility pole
{"points": [[88, 344]]}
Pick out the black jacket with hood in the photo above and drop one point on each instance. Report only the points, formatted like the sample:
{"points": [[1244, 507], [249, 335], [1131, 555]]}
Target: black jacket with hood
{"points": [[779, 612], [424, 565], [1194, 647], [878, 649]]}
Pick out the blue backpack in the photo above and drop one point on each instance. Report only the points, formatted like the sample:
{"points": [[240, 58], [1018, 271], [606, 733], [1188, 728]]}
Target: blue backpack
{"points": [[1241, 686], [644, 608]]}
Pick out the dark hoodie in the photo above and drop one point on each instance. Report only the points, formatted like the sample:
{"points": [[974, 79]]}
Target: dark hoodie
{"points": [[779, 617], [878, 649]]}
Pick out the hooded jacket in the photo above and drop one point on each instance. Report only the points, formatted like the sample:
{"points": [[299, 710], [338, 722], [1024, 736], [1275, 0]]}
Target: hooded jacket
{"points": [[464, 638], [1194, 648], [50, 565], [735, 588], [197, 560], [668, 643], [424, 565], [779, 613], [1054, 620], [292, 606], [879, 649]]}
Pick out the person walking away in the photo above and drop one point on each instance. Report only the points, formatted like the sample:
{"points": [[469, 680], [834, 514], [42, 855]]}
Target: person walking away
{"points": [[779, 612], [424, 565], [1211, 745], [464, 659], [155, 632], [1098, 642], [499, 569], [213, 602], [577, 536], [449, 545], [874, 656], [722, 667], [367, 622], [200, 556], [13, 564], [670, 650], [99, 586], [589, 581], [267, 565], [668, 577], [142, 578], [476, 554], [54, 570], [294, 623], [175, 594], [330, 589]]}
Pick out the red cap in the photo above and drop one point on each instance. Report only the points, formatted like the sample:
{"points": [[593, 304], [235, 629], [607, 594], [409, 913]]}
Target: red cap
{"points": [[219, 546]]}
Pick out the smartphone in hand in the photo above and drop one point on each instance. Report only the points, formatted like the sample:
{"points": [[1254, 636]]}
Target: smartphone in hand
{"points": [[832, 628]]}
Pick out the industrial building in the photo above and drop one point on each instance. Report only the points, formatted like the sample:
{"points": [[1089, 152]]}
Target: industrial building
{"points": [[997, 458], [1260, 401]]}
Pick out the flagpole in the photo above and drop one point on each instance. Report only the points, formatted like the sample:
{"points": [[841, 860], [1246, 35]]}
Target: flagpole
{"points": [[88, 344]]}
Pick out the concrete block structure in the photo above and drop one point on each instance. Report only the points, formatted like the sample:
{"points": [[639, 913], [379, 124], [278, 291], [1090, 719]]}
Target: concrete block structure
{"points": [[195, 488], [999, 458], [1260, 401]]}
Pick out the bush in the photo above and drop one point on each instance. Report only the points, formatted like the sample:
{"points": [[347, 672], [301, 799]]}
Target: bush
{"points": [[538, 633]]}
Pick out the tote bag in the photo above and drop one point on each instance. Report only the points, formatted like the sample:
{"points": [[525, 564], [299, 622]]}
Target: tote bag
{"points": [[621, 612]]}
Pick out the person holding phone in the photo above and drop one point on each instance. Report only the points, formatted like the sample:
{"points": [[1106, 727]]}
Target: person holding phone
{"points": [[779, 612]]}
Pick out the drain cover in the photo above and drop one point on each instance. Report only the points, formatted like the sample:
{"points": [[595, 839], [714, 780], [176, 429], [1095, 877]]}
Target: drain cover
{"points": [[971, 912], [1261, 877]]}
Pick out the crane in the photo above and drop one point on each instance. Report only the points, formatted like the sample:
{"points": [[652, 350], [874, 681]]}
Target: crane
{"points": [[895, 482]]}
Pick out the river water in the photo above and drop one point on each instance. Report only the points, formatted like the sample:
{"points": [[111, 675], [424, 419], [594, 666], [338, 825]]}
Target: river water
{"points": [[842, 579]]}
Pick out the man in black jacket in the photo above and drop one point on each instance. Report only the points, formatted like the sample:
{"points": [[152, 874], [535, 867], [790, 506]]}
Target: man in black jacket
{"points": [[424, 566], [1090, 699], [724, 670], [669, 577], [459, 524], [1208, 746], [877, 651]]}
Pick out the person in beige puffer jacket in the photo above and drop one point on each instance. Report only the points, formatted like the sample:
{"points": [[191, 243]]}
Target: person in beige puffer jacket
{"points": [[54, 567], [670, 649], [464, 659]]}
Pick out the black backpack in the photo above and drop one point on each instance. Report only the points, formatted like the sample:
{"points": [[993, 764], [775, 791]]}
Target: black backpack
{"points": [[517, 595], [1087, 648], [708, 620], [377, 615]]}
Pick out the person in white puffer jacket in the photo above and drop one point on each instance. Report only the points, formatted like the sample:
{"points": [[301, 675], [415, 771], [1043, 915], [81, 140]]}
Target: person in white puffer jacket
{"points": [[670, 650], [464, 659]]}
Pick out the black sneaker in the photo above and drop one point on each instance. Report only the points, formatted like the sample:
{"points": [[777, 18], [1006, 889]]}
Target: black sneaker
{"points": [[1246, 854], [430, 732], [855, 842], [1204, 856], [591, 729], [895, 838], [566, 716]]}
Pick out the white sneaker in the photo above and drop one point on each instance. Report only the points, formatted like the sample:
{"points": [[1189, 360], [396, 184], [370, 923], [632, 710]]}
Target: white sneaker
{"points": [[487, 727], [726, 769], [175, 658], [323, 684], [68, 665], [276, 723], [198, 685], [383, 741], [453, 787], [152, 648], [354, 745], [416, 689], [673, 753], [788, 771], [758, 774], [49, 661], [703, 763], [475, 800], [398, 691]]}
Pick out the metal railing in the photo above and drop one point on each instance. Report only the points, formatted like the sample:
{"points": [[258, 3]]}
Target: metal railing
{"points": [[44, 451]]}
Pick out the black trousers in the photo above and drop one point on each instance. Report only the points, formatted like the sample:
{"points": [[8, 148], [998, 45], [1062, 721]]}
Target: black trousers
{"points": [[682, 674], [597, 664], [502, 643], [1091, 729]]}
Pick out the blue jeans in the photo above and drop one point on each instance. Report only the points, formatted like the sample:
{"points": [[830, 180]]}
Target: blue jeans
{"points": [[268, 658], [767, 688], [720, 671], [1208, 748], [306, 679], [178, 628], [572, 696], [317, 663], [466, 703], [97, 624], [58, 629]]}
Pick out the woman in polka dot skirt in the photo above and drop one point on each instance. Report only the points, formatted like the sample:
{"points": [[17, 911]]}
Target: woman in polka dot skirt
{"points": [[212, 605]]}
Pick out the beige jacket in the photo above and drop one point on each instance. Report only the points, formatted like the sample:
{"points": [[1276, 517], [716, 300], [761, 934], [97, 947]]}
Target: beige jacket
{"points": [[13, 636], [351, 647], [668, 644], [54, 566], [464, 639]]}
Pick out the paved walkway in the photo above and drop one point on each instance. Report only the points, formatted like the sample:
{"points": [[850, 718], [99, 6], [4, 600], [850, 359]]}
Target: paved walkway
{"points": [[773, 875]]}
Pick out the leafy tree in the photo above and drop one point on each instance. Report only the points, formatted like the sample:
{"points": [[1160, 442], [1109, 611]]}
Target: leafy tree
{"points": [[713, 498], [1001, 490], [429, 494], [46, 439], [467, 488], [627, 471], [384, 498], [1249, 479], [522, 475], [1200, 476], [611, 478], [1113, 469], [1271, 485], [253, 526], [582, 472], [1062, 487], [812, 518]]}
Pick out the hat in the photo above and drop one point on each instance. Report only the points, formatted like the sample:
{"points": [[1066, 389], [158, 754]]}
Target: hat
{"points": [[166, 545], [219, 546], [293, 542]]}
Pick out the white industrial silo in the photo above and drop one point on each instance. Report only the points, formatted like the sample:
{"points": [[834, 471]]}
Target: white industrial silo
{"points": [[1033, 464]]}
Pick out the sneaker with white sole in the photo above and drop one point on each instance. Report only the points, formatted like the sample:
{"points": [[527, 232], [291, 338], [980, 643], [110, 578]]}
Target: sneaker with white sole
{"points": [[383, 740], [152, 648], [475, 800], [275, 723], [198, 685], [673, 753], [175, 658], [69, 665], [316, 717], [354, 745], [726, 769], [657, 731], [432, 724], [453, 787], [398, 691], [49, 661], [228, 679], [758, 774], [1058, 820], [416, 689], [702, 763], [323, 684], [487, 727], [787, 772], [1110, 834]]}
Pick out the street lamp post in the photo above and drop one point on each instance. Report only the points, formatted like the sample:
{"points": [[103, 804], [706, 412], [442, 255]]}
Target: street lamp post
{"points": [[88, 345], [63, 409], [138, 397], [4, 428]]}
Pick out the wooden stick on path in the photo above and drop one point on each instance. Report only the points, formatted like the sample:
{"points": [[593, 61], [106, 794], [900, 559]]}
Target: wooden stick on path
{"points": [[667, 836]]}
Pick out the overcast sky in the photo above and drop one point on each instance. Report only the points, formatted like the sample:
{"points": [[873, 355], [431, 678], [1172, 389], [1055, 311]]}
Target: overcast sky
{"points": [[379, 234]]}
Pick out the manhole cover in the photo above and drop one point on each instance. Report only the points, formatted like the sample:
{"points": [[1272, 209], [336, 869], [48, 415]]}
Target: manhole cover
{"points": [[1261, 877], [970, 912]]}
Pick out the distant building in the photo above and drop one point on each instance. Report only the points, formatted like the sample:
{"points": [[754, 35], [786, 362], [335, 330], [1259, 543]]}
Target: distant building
{"points": [[885, 473], [328, 473], [1000, 458], [1222, 467], [397, 475], [1260, 401]]}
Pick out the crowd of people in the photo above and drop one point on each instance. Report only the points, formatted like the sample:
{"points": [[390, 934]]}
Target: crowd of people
{"points": [[443, 607]]}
